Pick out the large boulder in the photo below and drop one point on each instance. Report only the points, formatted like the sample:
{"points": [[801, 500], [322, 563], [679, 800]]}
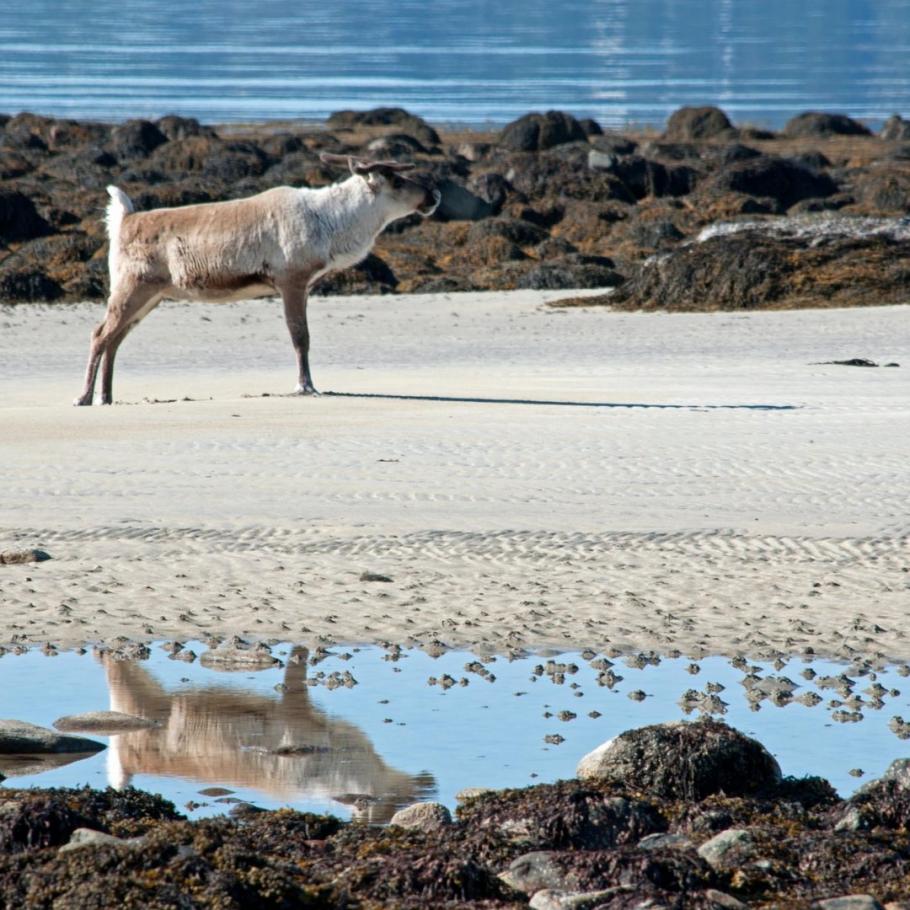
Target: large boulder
{"points": [[696, 123], [644, 177], [683, 760], [817, 124], [534, 132], [895, 128], [459, 204], [18, 737], [402, 120], [19, 219], [793, 263], [782, 179], [136, 139], [422, 817]]}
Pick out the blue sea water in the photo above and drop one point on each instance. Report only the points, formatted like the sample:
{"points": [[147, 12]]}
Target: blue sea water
{"points": [[455, 61], [394, 738]]}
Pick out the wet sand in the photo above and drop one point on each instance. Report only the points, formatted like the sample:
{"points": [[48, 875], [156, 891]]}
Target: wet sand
{"points": [[527, 477]]}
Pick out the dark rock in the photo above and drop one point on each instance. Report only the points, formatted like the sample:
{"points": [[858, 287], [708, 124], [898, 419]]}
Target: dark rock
{"points": [[24, 131], [459, 204], [591, 127], [684, 761], [235, 160], [753, 269], [614, 144], [570, 273], [650, 178], [729, 154], [885, 191], [565, 175], [492, 188], [781, 179], [563, 816], [88, 167], [395, 145], [895, 129], [371, 276], [698, 123], [814, 160], [173, 126], [521, 233], [535, 132], [815, 123], [136, 139], [13, 164], [386, 116], [24, 284], [19, 219]]}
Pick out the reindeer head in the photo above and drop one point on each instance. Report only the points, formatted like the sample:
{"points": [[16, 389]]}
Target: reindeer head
{"points": [[386, 179]]}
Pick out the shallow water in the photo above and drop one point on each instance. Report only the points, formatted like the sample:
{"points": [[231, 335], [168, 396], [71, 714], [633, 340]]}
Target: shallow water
{"points": [[392, 739], [468, 62]]}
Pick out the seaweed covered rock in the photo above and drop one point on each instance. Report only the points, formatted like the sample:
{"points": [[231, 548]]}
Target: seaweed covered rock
{"points": [[683, 760], [784, 180], [698, 123], [817, 123], [136, 139], [402, 120], [755, 266], [43, 818], [563, 816], [19, 219], [534, 132], [882, 803]]}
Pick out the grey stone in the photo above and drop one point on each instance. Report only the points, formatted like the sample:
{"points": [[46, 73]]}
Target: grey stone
{"points": [[683, 760], [664, 841], [422, 816], [717, 851], [467, 793], [18, 557], [88, 837], [532, 872], [548, 899], [850, 902], [460, 204], [102, 722], [723, 900], [233, 659], [19, 737]]}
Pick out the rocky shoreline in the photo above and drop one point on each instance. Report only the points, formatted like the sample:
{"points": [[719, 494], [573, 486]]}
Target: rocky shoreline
{"points": [[684, 815], [548, 202]]}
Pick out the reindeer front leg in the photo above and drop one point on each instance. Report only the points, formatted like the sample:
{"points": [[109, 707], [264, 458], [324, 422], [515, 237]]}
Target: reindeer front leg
{"points": [[295, 300]]}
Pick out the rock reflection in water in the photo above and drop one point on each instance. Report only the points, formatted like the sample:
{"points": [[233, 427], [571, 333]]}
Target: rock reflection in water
{"points": [[285, 746]]}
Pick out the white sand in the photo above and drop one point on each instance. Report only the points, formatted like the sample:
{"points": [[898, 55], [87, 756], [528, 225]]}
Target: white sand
{"points": [[695, 519]]}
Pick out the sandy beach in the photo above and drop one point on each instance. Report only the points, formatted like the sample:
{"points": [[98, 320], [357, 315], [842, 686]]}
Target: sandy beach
{"points": [[528, 477]]}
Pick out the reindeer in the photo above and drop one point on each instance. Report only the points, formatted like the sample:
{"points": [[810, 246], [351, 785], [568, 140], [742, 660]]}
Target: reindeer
{"points": [[277, 242], [283, 746]]}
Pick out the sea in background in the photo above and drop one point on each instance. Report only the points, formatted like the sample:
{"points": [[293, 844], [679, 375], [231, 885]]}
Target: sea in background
{"points": [[472, 62]]}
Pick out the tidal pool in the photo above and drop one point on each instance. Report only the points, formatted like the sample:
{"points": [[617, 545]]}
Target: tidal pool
{"points": [[361, 731]]}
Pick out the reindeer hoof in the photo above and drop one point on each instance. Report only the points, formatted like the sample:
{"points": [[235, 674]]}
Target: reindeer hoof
{"points": [[306, 390], [81, 402]]}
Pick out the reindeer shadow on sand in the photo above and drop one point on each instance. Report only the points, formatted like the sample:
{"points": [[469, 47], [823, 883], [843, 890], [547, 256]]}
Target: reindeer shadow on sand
{"points": [[285, 747]]}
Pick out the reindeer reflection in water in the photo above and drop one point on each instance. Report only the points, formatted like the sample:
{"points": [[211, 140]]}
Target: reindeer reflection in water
{"points": [[284, 746]]}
